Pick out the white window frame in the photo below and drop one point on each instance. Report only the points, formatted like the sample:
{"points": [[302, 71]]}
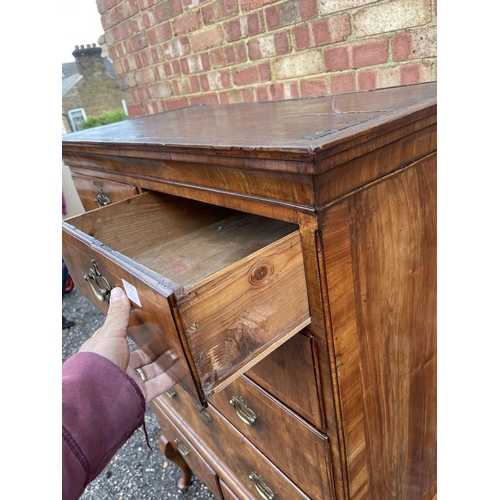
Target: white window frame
{"points": [[71, 116]]}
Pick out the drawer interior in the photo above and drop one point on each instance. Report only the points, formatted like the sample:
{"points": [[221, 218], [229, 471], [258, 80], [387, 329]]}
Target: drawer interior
{"points": [[184, 240], [234, 282]]}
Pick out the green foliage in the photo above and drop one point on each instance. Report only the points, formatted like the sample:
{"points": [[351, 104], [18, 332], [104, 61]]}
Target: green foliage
{"points": [[117, 115]]}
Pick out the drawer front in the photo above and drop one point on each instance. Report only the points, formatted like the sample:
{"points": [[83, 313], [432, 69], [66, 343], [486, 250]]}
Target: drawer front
{"points": [[235, 454], [229, 494], [198, 465], [95, 192], [239, 316], [193, 414], [278, 433], [151, 325], [277, 374], [236, 281]]}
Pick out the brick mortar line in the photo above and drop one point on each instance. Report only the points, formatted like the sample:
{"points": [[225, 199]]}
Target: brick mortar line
{"points": [[352, 38]]}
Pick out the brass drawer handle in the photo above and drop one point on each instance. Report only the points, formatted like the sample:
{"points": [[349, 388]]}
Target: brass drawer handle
{"points": [[101, 199], [99, 284], [181, 447], [243, 411], [171, 393], [261, 487]]}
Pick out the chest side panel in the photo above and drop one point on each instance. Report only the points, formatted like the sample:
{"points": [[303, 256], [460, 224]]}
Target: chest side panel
{"points": [[380, 248]]}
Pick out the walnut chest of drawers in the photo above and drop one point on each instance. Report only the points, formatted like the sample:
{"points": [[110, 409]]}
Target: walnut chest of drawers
{"points": [[281, 259]]}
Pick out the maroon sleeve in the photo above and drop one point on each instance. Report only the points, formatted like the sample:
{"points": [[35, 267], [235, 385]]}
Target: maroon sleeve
{"points": [[101, 408]]}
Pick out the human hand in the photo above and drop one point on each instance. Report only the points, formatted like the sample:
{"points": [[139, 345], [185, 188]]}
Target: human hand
{"points": [[110, 341]]}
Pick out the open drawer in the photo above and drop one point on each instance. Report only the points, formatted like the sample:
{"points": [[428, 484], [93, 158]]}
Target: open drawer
{"points": [[214, 289]]}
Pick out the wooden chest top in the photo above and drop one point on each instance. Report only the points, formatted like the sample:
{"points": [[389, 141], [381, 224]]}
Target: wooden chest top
{"points": [[301, 130]]}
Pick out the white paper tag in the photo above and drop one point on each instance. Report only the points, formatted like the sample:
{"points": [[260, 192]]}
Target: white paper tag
{"points": [[131, 292]]}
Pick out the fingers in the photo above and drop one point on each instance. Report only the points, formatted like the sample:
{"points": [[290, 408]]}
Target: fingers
{"points": [[158, 385], [110, 340], [152, 368], [157, 379], [140, 359], [118, 315], [152, 387]]}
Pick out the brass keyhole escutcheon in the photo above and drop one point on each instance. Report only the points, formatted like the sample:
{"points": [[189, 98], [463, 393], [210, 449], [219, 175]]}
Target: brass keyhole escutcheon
{"points": [[204, 413], [181, 447], [101, 199], [171, 393], [99, 284]]}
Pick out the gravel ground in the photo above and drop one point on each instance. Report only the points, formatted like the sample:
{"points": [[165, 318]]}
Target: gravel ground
{"points": [[135, 471]]}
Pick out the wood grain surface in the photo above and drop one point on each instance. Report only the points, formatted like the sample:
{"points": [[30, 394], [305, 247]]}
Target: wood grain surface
{"points": [[89, 189], [380, 246], [293, 129], [236, 456], [238, 285], [350, 184]]}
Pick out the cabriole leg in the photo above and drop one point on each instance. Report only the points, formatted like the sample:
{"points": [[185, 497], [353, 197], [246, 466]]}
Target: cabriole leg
{"points": [[174, 456]]}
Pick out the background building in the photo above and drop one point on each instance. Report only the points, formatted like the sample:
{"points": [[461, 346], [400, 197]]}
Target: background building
{"points": [[89, 87], [175, 53]]}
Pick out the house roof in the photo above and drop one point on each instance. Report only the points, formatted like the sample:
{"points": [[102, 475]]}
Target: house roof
{"points": [[69, 82], [70, 75], [69, 69]]}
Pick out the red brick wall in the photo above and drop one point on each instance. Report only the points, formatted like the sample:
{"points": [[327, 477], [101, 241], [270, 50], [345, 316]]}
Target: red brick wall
{"points": [[173, 53]]}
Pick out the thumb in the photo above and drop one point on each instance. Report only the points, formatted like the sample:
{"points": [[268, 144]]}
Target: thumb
{"points": [[116, 322]]}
